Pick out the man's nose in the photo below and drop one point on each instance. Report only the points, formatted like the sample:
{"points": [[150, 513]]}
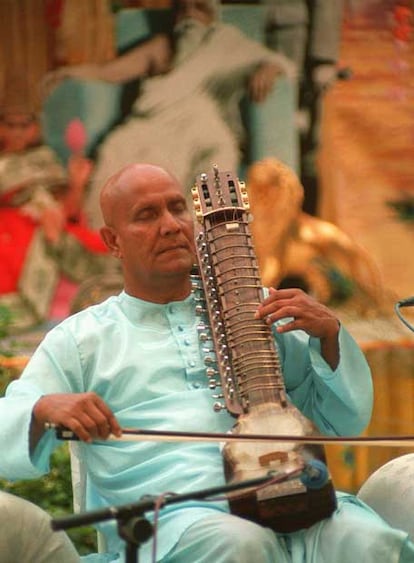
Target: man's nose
{"points": [[169, 223]]}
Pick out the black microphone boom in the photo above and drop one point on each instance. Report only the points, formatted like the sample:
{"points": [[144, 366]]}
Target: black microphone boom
{"points": [[408, 302]]}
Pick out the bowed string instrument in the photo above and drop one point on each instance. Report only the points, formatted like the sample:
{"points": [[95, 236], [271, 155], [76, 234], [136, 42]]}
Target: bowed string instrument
{"points": [[247, 365]]}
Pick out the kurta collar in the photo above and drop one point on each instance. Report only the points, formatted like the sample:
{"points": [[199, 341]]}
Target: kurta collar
{"points": [[146, 312]]}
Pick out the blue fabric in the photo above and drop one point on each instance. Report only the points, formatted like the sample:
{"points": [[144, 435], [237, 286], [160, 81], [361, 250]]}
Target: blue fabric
{"points": [[145, 360], [353, 534]]}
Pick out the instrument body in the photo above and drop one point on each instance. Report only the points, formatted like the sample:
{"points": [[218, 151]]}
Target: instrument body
{"points": [[248, 366]]}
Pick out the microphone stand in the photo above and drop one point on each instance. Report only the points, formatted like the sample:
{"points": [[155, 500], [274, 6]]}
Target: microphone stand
{"points": [[132, 525]]}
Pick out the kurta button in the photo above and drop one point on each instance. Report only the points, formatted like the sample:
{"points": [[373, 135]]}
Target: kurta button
{"points": [[191, 364], [187, 342]]}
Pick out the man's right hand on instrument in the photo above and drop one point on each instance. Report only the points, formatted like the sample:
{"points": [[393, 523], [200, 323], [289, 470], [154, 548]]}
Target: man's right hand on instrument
{"points": [[86, 414], [51, 80]]}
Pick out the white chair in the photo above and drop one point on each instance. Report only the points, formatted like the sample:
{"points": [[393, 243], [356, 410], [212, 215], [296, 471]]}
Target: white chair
{"points": [[79, 478], [390, 492]]}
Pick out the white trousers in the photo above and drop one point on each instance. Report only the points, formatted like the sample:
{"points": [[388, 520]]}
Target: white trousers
{"points": [[27, 537], [352, 535]]}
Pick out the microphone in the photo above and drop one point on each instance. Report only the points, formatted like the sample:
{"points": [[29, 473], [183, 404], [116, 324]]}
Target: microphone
{"points": [[315, 474], [408, 302]]}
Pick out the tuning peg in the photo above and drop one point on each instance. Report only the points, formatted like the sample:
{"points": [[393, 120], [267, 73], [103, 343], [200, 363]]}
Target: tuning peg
{"points": [[203, 337], [208, 361]]}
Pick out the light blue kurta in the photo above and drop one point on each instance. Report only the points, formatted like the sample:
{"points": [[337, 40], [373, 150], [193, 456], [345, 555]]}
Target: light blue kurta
{"points": [[145, 360]]}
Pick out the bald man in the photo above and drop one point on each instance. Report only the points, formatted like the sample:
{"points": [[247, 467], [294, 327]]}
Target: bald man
{"points": [[136, 361]]}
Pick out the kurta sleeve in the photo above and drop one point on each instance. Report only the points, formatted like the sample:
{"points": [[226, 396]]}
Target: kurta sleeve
{"points": [[41, 376], [338, 401], [15, 419]]}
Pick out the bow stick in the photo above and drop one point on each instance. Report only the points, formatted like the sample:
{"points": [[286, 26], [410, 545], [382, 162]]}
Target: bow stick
{"points": [[141, 435]]}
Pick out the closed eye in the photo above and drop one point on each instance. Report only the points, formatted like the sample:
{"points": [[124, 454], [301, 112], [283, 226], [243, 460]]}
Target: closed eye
{"points": [[145, 214], [178, 207]]}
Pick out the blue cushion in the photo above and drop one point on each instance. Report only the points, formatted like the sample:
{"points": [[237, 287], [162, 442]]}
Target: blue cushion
{"points": [[96, 104]]}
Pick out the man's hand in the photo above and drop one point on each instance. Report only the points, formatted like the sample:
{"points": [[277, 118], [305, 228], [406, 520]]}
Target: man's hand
{"points": [[86, 414], [262, 80], [324, 76], [52, 79], [306, 314], [52, 220], [79, 169]]}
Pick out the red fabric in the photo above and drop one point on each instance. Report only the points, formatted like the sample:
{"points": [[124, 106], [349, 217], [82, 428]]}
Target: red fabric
{"points": [[53, 13], [16, 232]]}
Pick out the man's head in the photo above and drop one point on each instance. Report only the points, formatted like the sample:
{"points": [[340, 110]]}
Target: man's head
{"points": [[149, 228], [193, 21], [204, 11], [19, 130]]}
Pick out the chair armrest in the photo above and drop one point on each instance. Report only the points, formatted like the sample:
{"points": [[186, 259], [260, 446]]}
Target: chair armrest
{"points": [[271, 125]]}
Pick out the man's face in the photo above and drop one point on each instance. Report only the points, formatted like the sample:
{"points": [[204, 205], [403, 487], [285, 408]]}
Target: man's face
{"points": [[200, 10], [18, 131], [153, 230], [192, 25]]}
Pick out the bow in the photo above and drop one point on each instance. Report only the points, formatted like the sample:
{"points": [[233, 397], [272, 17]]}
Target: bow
{"points": [[142, 435]]}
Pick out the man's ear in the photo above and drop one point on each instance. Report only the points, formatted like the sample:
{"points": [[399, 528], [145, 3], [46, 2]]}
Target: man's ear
{"points": [[111, 240]]}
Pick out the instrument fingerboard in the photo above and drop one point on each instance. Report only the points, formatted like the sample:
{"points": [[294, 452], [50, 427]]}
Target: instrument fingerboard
{"points": [[248, 362]]}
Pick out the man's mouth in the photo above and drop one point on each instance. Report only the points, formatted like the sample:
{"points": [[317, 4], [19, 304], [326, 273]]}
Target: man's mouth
{"points": [[173, 248]]}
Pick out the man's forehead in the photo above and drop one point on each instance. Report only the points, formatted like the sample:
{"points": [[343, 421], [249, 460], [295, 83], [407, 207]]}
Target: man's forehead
{"points": [[207, 6], [159, 195], [137, 186]]}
